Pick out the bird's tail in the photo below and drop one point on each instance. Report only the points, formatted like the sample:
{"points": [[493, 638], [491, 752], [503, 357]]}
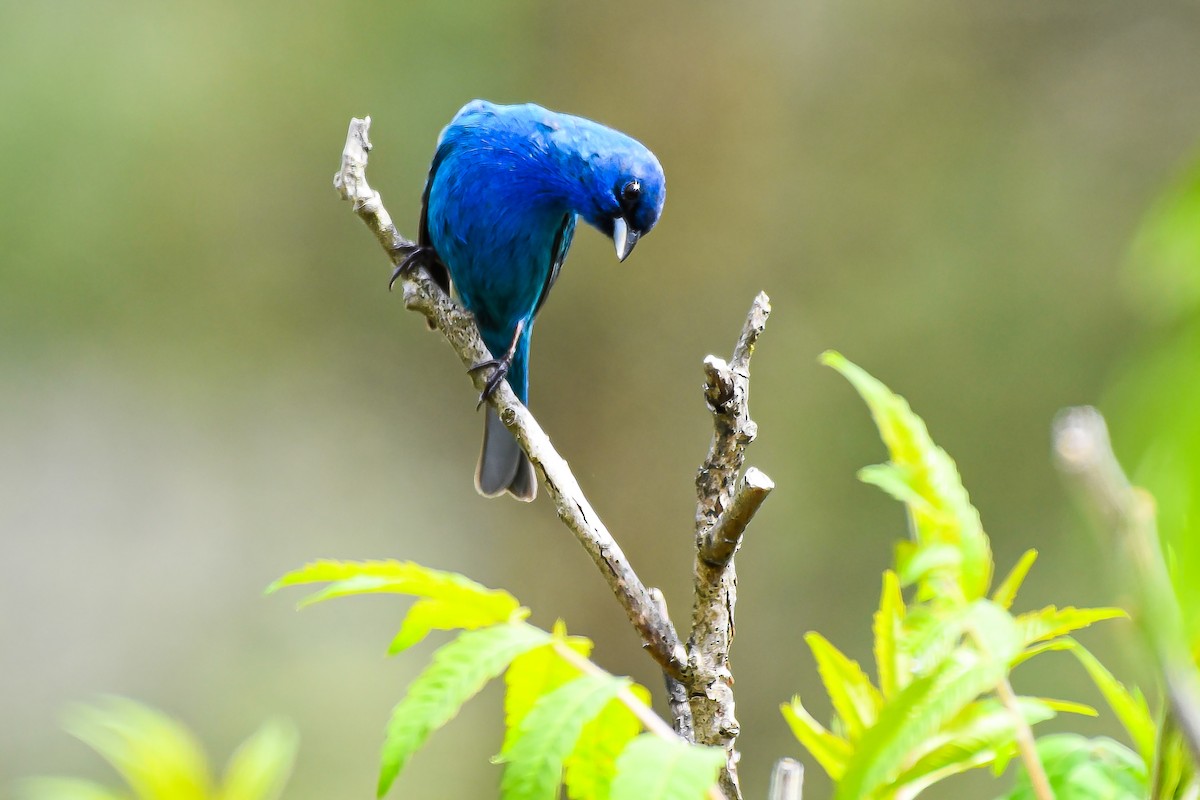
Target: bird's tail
{"points": [[503, 466]]}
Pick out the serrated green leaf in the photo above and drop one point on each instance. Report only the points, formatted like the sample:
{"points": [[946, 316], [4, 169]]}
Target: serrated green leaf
{"points": [[1085, 769], [1006, 592], [458, 671], [1039, 648], [446, 600], [536, 673], [156, 755], [465, 612], [1130, 707], [1069, 707], [1051, 622], [548, 734], [931, 701], [830, 750], [64, 789], [590, 768], [261, 766], [854, 699], [664, 769], [896, 482], [397, 577], [887, 624], [923, 564], [973, 739], [945, 515]]}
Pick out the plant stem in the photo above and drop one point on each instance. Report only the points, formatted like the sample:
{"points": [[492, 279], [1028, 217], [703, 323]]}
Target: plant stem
{"points": [[1025, 742]]}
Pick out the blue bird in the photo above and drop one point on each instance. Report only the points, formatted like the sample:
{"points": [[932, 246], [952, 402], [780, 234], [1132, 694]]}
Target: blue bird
{"points": [[505, 189]]}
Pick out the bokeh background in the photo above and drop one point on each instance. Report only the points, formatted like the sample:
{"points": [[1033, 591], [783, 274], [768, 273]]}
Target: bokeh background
{"points": [[204, 382]]}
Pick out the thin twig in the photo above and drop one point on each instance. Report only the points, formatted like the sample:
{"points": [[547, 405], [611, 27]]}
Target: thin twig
{"points": [[723, 539], [1025, 743], [677, 693], [723, 508], [456, 324], [1084, 454]]}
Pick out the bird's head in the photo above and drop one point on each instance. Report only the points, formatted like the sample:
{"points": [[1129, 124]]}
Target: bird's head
{"points": [[630, 189], [611, 180]]}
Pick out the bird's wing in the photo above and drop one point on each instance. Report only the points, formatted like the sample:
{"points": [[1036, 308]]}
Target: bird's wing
{"points": [[558, 252], [437, 270]]}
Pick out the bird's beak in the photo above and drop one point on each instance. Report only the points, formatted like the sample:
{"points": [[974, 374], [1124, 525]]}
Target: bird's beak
{"points": [[624, 238]]}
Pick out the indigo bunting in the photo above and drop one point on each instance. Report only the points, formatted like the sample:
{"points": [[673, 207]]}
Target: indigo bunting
{"points": [[505, 188]]}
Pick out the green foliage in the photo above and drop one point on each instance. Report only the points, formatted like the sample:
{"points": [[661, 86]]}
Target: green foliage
{"points": [[159, 759], [550, 732], [664, 769], [567, 721], [445, 600], [1156, 393], [458, 671], [946, 528], [1085, 769], [940, 657], [590, 769]]}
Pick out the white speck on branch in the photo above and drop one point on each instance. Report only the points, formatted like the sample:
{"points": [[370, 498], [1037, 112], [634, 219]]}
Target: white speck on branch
{"points": [[725, 505], [1084, 454], [421, 294]]}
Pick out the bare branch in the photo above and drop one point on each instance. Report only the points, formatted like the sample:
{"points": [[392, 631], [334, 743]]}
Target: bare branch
{"points": [[724, 507], [456, 324], [722, 541], [1084, 454], [677, 693]]}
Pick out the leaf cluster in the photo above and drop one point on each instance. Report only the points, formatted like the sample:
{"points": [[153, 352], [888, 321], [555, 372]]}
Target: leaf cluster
{"points": [[568, 723], [159, 759], [940, 703]]}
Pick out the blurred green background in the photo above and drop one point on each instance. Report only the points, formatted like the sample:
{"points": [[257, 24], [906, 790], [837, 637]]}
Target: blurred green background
{"points": [[204, 382]]}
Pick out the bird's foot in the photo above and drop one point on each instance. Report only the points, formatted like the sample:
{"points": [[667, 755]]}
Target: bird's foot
{"points": [[421, 256], [500, 367]]}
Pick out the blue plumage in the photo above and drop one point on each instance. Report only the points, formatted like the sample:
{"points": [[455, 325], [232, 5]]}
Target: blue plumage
{"points": [[504, 191]]}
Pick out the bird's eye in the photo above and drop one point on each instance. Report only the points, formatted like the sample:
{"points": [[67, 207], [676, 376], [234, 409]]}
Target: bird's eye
{"points": [[630, 194]]}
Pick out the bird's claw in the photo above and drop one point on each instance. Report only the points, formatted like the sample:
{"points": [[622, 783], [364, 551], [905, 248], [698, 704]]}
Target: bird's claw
{"points": [[420, 255], [500, 365]]}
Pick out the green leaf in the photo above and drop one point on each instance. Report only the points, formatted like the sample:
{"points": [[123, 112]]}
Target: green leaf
{"points": [[927, 480], [536, 673], [896, 482], [466, 612], [1041, 647], [261, 766], [1051, 622], [888, 622], [664, 769], [974, 738], [458, 671], [591, 766], [830, 750], [1068, 707], [854, 699], [1085, 769], [1130, 707], [1006, 593], [549, 733], [64, 789], [156, 755], [446, 600], [918, 712]]}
